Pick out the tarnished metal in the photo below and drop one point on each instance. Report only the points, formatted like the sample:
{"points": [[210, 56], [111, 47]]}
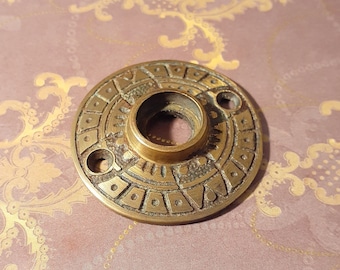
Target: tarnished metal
{"points": [[167, 184]]}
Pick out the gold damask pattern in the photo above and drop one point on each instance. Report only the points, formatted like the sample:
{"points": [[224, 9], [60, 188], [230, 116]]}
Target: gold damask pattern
{"points": [[120, 238], [21, 161], [314, 171], [323, 160], [195, 15], [9, 2], [284, 248]]}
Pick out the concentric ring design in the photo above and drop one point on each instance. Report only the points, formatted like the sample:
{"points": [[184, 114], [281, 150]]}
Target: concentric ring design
{"points": [[150, 187]]}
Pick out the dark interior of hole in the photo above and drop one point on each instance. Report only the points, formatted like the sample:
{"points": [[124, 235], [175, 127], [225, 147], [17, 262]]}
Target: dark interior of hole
{"points": [[99, 161], [227, 104], [228, 101], [156, 108]]}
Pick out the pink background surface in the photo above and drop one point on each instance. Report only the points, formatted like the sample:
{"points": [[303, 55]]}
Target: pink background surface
{"points": [[285, 53]]}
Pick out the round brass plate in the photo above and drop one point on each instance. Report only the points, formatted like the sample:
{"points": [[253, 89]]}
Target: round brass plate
{"points": [[167, 184]]}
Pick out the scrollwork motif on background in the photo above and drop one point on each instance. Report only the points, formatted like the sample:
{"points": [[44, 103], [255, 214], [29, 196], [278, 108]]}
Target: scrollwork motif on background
{"points": [[9, 2], [196, 17], [25, 168], [321, 165]]}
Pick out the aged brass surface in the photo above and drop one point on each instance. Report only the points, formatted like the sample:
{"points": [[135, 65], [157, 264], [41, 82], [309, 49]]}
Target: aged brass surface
{"points": [[167, 184]]}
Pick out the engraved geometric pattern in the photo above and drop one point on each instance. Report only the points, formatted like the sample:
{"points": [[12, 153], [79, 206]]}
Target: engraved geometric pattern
{"points": [[285, 54], [168, 192]]}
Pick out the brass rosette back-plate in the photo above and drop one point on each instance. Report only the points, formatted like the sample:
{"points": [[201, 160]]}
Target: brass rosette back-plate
{"points": [[167, 184]]}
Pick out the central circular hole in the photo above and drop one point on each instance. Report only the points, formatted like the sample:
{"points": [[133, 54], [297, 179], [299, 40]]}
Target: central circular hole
{"points": [[166, 128], [169, 118]]}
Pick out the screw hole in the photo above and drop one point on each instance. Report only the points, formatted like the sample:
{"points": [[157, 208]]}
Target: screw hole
{"points": [[100, 161], [228, 100]]}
